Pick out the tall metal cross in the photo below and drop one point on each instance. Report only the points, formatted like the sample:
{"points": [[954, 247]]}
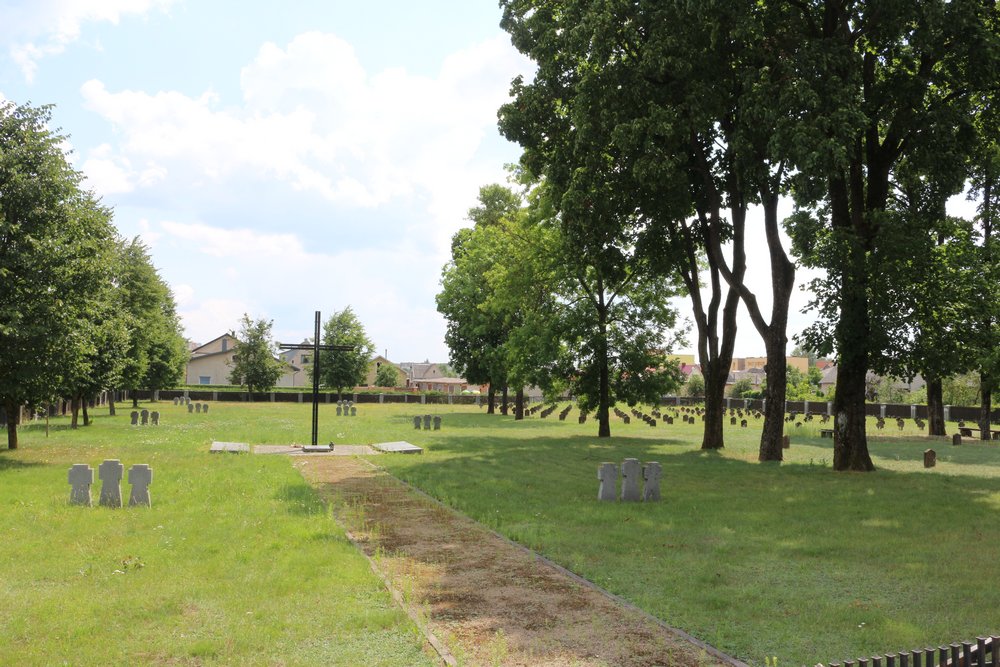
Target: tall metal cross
{"points": [[316, 347]]}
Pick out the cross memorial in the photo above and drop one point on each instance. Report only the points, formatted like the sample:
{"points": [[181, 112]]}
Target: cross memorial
{"points": [[316, 348]]}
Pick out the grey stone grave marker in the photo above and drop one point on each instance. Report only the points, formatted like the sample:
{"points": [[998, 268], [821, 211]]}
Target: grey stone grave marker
{"points": [[139, 476], [176, 400], [427, 422], [81, 476], [204, 408], [956, 439], [437, 423], [111, 472], [144, 415], [135, 418], [197, 408], [155, 418], [354, 411], [416, 422], [190, 408], [651, 472], [607, 473], [339, 410], [631, 473]]}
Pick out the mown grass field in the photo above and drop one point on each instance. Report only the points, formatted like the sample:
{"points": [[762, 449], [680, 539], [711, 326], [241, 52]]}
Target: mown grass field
{"points": [[242, 564]]}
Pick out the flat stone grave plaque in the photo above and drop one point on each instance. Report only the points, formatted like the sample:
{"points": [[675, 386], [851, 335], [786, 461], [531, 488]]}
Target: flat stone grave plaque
{"points": [[400, 447], [230, 447], [317, 449]]}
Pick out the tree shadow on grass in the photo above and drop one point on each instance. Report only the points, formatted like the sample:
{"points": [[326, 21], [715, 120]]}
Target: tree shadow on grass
{"points": [[7, 463]]}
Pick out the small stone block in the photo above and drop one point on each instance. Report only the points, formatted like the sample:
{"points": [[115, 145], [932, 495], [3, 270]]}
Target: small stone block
{"points": [[826, 432], [317, 449], [111, 473], [155, 418], [956, 439], [139, 476], [930, 458], [81, 476], [607, 473], [651, 472], [427, 422], [631, 474], [400, 447], [416, 422], [135, 418], [190, 407], [437, 423]]}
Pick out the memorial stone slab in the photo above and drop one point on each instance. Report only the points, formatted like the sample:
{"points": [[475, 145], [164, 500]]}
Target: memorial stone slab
{"points": [[607, 473], [416, 422], [155, 418], [652, 472], [111, 472], [144, 415], [437, 423], [399, 447], [427, 422], [190, 408], [229, 447], [631, 474], [956, 439], [81, 476], [140, 476], [135, 418]]}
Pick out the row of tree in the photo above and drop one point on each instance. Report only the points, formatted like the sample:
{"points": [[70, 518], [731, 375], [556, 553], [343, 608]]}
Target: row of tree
{"points": [[652, 128], [81, 310]]}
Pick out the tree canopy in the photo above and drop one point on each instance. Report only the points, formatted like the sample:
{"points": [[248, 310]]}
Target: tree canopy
{"points": [[254, 364]]}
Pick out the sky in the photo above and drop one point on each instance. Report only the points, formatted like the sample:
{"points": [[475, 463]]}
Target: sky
{"points": [[283, 158]]}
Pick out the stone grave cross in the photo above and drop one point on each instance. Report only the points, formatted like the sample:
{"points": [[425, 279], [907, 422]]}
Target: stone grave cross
{"points": [[139, 476], [111, 472], [81, 476]]}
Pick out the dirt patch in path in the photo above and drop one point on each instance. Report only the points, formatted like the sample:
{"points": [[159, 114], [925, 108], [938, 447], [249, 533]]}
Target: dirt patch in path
{"points": [[489, 601]]}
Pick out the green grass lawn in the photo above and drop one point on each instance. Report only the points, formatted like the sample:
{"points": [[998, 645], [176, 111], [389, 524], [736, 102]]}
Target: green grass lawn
{"points": [[236, 562], [794, 561], [241, 563]]}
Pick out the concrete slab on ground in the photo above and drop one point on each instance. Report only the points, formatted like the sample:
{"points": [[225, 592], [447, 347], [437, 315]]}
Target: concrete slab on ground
{"points": [[229, 447], [400, 447]]}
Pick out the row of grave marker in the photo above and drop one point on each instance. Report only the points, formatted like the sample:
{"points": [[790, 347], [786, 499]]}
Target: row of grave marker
{"points": [[631, 473], [81, 477], [426, 419]]}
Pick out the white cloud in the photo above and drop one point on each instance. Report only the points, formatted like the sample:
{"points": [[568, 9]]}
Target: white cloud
{"points": [[316, 121], [46, 27]]}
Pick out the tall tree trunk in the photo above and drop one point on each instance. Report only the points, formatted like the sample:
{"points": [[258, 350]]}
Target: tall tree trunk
{"points": [[135, 398], [935, 406], [604, 384], [503, 401], [519, 404], [776, 373], [111, 402], [13, 415], [986, 386], [491, 400], [74, 422], [86, 415], [715, 406]]}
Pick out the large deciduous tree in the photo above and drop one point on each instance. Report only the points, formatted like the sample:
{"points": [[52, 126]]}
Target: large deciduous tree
{"points": [[254, 364], [889, 84], [344, 369], [51, 245]]}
